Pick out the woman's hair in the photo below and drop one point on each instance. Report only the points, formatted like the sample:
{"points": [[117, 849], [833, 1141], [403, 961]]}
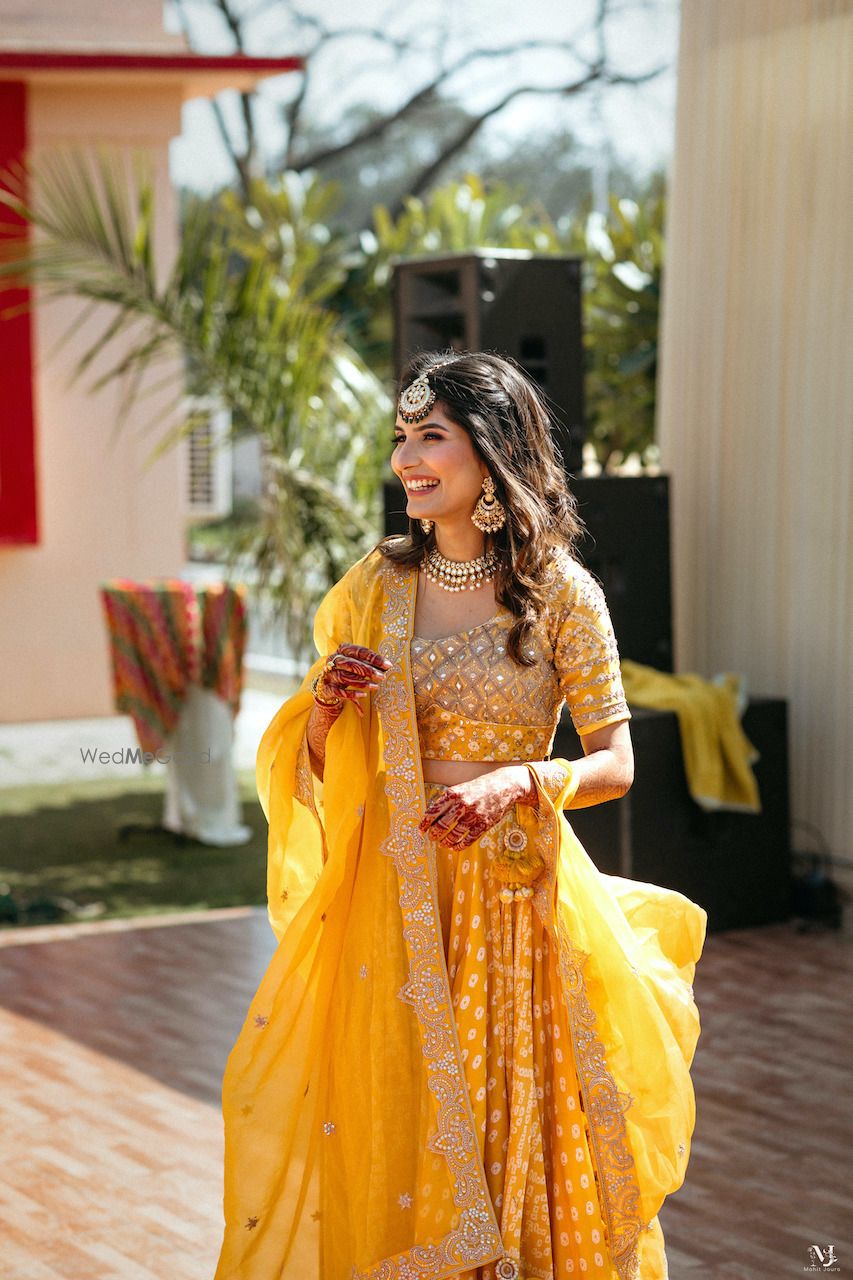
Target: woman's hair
{"points": [[511, 430]]}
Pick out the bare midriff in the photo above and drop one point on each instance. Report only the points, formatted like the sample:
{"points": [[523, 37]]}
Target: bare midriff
{"points": [[450, 771]]}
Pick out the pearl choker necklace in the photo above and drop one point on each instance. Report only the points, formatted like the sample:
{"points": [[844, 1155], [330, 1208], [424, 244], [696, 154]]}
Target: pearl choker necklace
{"points": [[460, 575]]}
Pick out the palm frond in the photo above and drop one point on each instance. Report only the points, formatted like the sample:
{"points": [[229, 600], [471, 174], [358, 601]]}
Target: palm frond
{"points": [[239, 315]]}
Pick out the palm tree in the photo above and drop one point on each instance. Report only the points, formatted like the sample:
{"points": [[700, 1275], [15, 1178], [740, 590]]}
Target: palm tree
{"points": [[243, 310]]}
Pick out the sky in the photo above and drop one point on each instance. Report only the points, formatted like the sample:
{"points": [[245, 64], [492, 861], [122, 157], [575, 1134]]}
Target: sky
{"points": [[642, 35]]}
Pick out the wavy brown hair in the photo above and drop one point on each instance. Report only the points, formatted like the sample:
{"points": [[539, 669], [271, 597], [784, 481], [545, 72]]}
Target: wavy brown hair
{"points": [[512, 431]]}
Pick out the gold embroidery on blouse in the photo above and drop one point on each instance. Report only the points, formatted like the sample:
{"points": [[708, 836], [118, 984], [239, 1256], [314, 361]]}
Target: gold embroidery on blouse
{"points": [[475, 702], [587, 658]]}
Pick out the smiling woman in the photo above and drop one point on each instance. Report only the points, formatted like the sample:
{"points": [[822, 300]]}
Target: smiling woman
{"points": [[470, 1054], [449, 464]]}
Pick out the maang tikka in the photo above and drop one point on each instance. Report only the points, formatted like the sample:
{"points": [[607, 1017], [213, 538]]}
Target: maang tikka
{"points": [[418, 397]]}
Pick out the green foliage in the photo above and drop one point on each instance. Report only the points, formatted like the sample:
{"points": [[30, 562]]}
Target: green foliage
{"points": [[242, 315], [463, 216], [622, 257], [288, 321], [455, 218]]}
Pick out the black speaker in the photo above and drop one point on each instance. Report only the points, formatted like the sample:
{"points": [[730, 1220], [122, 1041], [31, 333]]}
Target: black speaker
{"points": [[513, 302], [627, 546], [735, 865]]}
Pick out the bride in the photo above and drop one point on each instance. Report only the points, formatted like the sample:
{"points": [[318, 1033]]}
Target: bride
{"points": [[469, 1056]]}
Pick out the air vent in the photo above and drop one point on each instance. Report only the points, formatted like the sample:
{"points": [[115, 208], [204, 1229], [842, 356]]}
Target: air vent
{"points": [[207, 486]]}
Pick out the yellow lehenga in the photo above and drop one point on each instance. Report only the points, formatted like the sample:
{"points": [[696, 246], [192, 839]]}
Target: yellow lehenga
{"points": [[437, 1077]]}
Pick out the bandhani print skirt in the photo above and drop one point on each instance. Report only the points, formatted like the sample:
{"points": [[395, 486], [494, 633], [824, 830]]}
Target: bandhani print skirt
{"points": [[512, 1022]]}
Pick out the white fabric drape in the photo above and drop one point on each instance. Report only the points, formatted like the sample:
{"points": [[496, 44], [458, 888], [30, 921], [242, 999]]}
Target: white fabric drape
{"points": [[756, 375], [202, 798]]}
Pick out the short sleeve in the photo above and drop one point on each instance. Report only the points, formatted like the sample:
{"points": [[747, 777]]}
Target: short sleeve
{"points": [[586, 659]]}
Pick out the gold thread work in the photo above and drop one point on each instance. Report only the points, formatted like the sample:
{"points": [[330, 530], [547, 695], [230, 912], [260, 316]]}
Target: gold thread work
{"points": [[476, 1240]]}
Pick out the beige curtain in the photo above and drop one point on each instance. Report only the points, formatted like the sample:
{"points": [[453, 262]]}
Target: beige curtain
{"points": [[756, 379]]}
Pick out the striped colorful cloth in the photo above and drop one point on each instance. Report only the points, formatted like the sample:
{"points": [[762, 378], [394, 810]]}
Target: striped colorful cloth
{"points": [[165, 637], [223, 626]]}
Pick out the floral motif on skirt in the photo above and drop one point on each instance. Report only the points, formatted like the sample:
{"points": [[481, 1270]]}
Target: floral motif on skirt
{"points": [[516, 1046]]}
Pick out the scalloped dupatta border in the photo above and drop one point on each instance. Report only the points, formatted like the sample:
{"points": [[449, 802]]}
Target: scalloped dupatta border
{"points": [[604, 1105], [476, 1240]]}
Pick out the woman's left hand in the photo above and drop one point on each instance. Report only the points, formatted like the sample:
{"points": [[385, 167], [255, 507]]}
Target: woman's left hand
{"points": [[459, 815]]}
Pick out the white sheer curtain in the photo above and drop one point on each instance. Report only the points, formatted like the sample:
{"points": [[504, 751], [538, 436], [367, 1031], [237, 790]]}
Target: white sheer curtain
{"points": [[756, 374]]}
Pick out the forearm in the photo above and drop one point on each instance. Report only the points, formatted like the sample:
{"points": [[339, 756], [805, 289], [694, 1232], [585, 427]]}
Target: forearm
{"points": [[320, 722], [600, 776]]}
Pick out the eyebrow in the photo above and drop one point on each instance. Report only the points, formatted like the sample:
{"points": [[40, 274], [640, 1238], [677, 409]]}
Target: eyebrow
{"points": [[423, 426]]}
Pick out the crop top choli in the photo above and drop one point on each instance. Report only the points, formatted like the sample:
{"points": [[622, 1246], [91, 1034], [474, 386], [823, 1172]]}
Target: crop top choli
{"points": [[474, 702]]}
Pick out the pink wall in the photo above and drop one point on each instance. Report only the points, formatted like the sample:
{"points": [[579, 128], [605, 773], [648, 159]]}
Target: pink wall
{"points": [[108, 23], [103, 514]]}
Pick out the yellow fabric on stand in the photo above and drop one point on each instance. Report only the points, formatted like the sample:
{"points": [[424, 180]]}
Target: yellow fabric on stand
{"points": [[718, 756]]}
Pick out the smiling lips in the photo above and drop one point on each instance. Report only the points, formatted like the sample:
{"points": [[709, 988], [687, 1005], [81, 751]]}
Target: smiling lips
{"points": [[420, 485]]}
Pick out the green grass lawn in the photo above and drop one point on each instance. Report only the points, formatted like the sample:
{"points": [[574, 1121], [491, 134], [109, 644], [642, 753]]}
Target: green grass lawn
{"points": [[61, 857]]}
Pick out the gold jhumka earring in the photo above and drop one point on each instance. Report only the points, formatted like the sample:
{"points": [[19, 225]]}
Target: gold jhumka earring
{"points": [[489, 515], [426, 525]]}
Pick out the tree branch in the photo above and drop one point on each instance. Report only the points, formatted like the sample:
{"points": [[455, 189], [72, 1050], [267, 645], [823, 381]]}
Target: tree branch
{"points": [[594, 71], [464, 136], [244, 162], [237, 159], [375, 130], [293, 115], [240, 160]]}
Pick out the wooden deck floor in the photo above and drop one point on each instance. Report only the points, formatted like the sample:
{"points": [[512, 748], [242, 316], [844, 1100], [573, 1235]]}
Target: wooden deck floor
{"points": [[113, 1038]]}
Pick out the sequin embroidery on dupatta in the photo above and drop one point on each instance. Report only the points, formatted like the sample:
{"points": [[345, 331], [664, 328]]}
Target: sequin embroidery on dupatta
{"points": [[476, 1239]]}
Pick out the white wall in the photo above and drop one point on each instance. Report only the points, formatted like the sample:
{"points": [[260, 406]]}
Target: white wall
{"points": [[756, 381]]}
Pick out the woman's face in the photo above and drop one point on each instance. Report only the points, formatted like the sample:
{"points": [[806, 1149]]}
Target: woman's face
{"points": [[441, 473]]}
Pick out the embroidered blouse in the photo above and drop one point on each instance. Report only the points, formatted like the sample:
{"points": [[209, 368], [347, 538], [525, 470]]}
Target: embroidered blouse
{"points": [[474, 702]]}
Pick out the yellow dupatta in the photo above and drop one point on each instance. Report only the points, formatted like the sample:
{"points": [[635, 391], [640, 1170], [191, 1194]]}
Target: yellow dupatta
{"points": [[350, 1143]]}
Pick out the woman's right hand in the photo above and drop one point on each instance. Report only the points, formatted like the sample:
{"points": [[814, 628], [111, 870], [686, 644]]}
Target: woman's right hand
{"points": [[351, 672]]}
